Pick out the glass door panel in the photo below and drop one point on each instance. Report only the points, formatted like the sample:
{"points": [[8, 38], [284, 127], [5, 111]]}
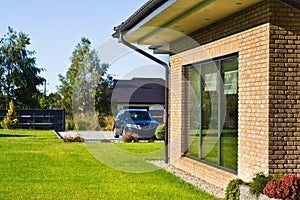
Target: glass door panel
{"points": [[209, 112]]}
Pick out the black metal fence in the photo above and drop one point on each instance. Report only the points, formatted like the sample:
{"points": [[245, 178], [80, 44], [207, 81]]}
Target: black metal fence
{"points": [[39, 119]]}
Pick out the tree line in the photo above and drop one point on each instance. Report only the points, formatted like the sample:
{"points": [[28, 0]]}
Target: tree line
{"points": [[81, 91]]}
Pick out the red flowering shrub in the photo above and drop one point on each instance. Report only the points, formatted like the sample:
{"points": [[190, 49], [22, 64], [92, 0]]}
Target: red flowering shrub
{"points": [[272, 188], [287, 188]]}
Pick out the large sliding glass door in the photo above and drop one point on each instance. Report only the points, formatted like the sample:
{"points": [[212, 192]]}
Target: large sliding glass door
{"points": [[212, 111]]}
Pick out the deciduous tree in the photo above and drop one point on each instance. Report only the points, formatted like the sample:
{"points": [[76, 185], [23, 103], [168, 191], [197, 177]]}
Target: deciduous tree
{"points": [[79, 87]]}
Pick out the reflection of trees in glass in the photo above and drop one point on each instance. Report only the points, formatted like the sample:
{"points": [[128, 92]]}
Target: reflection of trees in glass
{"points": [[210, 96], [194, 98]]}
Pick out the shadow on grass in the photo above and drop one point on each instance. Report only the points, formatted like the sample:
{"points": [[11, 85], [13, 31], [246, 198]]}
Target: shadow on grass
{"points": [[125, 161], [14, 135]]}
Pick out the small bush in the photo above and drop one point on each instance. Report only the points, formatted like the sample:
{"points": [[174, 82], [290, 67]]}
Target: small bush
{"points": [[129, 137], [233, 190], [135, 137], [10, 120], [288, 187], [258, 184], [70, 125], [160, 132], [78, 138], [69, 138]]}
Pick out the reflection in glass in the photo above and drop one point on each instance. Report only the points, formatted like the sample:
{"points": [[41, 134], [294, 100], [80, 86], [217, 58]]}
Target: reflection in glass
{"points": [[193, 109], [211, 112], [229, 113]]}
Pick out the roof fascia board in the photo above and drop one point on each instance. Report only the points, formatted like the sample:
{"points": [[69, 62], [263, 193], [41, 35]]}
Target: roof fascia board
{"points": [[150, 16], [179, 18], [292, 3]]}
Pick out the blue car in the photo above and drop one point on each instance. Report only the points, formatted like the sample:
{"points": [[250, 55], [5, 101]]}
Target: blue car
{"points": [[135, 121]]}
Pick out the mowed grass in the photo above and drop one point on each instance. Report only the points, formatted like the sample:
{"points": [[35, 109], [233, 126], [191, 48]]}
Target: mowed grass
{"points": [[36, 165]]}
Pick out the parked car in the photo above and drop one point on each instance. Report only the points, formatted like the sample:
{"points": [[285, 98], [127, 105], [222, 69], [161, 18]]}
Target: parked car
{"points": [[135, 121]]}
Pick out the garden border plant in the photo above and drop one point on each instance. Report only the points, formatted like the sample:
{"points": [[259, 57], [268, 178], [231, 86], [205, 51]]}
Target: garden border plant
{"points": [[277, 186], [232, 191]]}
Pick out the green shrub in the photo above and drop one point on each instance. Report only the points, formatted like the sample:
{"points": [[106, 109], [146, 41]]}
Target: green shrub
{"points": [[233, 190], [10, 120], [160, 132], [70, 125], [258, 184]]}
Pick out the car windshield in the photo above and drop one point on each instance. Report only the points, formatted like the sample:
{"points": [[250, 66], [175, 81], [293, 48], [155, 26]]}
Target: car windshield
{"points": [[137, 115]]}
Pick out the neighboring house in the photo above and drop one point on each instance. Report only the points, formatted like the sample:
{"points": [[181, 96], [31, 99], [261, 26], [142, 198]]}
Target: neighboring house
{"points": [[140, 93], [234, 100]]}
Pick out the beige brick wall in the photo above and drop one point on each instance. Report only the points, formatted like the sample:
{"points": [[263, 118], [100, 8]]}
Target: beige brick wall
{"points": [[269, 89], [253, 103]]}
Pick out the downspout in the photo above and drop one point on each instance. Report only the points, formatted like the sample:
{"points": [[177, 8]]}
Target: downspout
{"points": [[166, 66]]}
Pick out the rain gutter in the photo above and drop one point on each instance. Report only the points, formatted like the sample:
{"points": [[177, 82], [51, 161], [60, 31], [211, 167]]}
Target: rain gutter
{"points": [[166, 66]]}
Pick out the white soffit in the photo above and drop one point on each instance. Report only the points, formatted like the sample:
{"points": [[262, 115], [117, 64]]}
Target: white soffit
{"points": [[182, 18]]}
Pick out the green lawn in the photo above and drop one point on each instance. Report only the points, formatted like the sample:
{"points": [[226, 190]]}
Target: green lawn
{"points": [[36, 165]]}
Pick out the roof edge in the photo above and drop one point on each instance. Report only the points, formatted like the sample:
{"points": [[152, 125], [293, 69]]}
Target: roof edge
{"points": [[138, 16]]}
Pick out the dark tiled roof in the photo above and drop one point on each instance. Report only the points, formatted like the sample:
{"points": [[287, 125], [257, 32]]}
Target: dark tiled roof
{"points": [[139, 91]]}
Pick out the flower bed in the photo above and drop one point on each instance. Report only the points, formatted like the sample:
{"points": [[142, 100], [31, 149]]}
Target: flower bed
{"points": [[264, 187]]}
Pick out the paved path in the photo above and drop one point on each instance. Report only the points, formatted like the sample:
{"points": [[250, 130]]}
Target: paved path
{"points": [[92, 136]]}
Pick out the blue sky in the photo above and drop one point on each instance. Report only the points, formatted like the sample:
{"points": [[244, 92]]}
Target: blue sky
{"points": [[56, 26]]}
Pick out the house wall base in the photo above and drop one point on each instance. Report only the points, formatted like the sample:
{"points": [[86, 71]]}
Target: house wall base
{"points": [[213, 175]]}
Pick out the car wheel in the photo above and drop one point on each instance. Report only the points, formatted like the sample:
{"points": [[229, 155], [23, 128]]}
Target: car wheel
{"points": [[116, 135]]}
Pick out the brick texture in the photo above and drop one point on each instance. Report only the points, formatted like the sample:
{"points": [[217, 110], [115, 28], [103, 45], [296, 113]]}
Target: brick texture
{"points": [[284, 75], [266, 38]]}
